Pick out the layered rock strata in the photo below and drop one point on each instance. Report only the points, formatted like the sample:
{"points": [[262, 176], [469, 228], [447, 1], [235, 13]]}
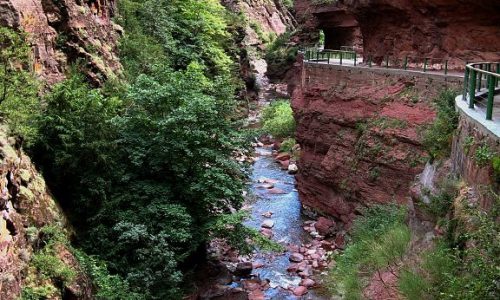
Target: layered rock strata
{"points": [[359, 132], [64, 32], [26, 206], [458, 31]]}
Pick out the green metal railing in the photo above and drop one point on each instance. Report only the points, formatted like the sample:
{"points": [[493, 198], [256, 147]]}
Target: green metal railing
{"points": [[414, 63], [315, 55], [481, 81], [425, 64]]}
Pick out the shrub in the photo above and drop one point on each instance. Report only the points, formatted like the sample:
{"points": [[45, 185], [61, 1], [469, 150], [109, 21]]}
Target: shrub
{"points": [[463, 267], [440, 203], [379, 239], [278, 119], [483, 155], [287, 145], [412, 285], [46, 291], [108, 287], [438, 136], [495, 162], [280, 55], [51, 266], [19, 101]]}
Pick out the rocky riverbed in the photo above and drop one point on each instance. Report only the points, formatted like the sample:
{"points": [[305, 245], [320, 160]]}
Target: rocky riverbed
{"points": [[275, 211]]}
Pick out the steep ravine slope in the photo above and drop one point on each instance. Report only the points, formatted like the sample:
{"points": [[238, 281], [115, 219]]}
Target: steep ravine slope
{"points": [[36, 259], [30, 217], [360, 136], [65, 32]]}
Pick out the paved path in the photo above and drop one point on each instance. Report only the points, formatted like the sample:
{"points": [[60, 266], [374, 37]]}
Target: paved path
{"points": [[361, 64], [479, 111]]}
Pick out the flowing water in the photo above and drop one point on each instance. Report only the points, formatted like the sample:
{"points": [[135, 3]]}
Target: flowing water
{"points": [[288, 224]]}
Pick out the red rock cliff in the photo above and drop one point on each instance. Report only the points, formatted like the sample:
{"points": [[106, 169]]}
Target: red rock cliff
{"points": [[359, 134], [63, 31], [459, 30]]}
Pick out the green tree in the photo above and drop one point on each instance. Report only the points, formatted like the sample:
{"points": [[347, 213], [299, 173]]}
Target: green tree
{"points": [[76, 146], [19, 101]]}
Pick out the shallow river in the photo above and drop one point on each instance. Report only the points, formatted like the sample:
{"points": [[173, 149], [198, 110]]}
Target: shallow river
{"points": [[288, 225]]}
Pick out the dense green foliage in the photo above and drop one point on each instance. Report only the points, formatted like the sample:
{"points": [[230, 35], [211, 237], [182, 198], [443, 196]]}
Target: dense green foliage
{"points": [[280, 55], [438, 137], [380, 238], [19, 102], [463, 264], [145, 164], [278, 119]]}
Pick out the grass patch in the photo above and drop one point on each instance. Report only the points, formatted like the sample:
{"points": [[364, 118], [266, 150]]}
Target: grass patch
{"points": [[380, 238]]}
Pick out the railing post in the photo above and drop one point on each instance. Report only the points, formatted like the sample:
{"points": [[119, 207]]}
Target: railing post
{"points": [[341, 57], [466, 82], [370, 61], [355, 58], [446, 67], [328, 57], [491, 95], [480, 79], [472, 89], [425, 64], [317, 56], [387, 61], [405, 64], [498, 72]]}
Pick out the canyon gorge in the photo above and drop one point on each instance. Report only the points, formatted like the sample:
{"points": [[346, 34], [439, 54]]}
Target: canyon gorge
{"points": [[249, 149]]}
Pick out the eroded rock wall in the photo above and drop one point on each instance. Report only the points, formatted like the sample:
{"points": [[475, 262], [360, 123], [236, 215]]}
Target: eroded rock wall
{"points": [[26, 206], [457, 30], [64, 31], [473, 149], [359, 134], [263, 21]]}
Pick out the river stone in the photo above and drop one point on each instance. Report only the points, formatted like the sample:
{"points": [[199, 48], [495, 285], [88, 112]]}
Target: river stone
{"points": [[267, 214], [265, 186], [296, 257], [257, 265], [284, 164], [266, 232], [276, 191], [268, 224], [293, 169], [307, 282], [283, 156], [324, 226], [292, 268], [300, 291]]}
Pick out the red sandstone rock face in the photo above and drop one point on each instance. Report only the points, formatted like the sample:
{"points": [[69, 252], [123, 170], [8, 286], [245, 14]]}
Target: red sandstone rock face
{"points": [[66, 30], [26, 206], [459, 30], [359, 135]]}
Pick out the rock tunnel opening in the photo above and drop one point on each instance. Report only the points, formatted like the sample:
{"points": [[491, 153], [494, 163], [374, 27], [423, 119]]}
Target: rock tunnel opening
{"points": [[335, 38], [340, 29]]}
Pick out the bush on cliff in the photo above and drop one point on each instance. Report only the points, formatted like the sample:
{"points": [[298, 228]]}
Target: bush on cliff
{"points": [[278, 119], [280, 56], [464, 263], [19, 102], [437, 138]]}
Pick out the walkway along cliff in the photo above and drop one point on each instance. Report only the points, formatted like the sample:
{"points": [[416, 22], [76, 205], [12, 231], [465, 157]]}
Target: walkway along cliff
{"points": [[360, 127]]}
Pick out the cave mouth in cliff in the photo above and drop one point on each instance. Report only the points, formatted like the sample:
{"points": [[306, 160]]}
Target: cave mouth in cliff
{"points": [[337, 37]]}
